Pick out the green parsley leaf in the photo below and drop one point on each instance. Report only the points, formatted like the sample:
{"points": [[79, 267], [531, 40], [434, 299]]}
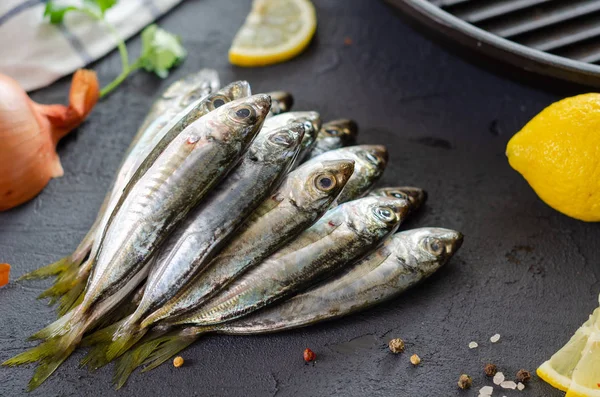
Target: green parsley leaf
{"points": [[99, 7], [57, 12], [161, 51]]}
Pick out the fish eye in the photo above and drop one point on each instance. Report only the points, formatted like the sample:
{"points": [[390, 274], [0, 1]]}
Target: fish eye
{"points": [[281, 139], [371, 158], [325, 182], [385, 214], [332, 132], [191, 97], [435, 246], [308, 126], [218, 102], [243, 114], [399, 195]]}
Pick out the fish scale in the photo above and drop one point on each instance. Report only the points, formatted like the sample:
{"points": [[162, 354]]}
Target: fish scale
{"points": [[296, 205], [323, 250], [207, 227], [402, 261]]}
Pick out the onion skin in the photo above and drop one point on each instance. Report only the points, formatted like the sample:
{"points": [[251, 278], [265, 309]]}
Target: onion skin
{"points": [[30, 131]]}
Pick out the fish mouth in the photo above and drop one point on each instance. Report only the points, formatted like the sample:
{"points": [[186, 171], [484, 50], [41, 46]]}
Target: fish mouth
{"points": [[261, 104], [313, 118], [451, 238], [288, 136], [377, 155], [285, 100], [342, 169], [348, 128], [416, 196]]}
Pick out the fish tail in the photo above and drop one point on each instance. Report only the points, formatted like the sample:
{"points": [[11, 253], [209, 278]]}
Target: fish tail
{"points": [[168, 349], [60, 327], [125, 337], [135, 357], [50, 354], [102, 341], [52, 269], [68, 263], [72, 298]]}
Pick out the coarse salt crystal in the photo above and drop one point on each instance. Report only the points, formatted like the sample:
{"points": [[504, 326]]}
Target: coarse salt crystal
{"points": [[498, 378], [486, 391], [508, 384], [495, 338], [520, 386], [473, 345]]}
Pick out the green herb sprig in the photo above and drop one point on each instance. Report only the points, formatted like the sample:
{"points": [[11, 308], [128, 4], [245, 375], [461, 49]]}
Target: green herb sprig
{"points": [[161, 50]]}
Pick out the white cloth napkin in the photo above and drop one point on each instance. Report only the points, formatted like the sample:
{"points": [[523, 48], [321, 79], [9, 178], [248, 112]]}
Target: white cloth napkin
{"points": [[36, 53]]}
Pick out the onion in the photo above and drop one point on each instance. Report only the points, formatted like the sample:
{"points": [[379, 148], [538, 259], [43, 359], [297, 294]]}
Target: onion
{"points": [[30, 131]]}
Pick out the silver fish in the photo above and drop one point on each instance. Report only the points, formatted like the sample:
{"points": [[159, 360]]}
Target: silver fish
{"points": [[369, 163], [340, 237], [281, 102], [137, 161], [174, 99], [190, 165], [303, 197], [401, 262], [404, 259], [334, 135], [416, 196], [208, 226], [312, 125]]}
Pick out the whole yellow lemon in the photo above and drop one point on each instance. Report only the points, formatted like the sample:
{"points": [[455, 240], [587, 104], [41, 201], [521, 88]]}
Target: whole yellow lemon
{"points": [[558, 153]]}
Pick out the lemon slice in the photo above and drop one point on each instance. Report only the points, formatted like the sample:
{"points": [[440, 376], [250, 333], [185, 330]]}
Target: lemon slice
{"points": [[586, 376], [575, 368], [274, 31]]}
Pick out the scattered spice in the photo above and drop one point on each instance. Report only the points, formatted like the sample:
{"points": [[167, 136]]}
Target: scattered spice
{"points": [[523, 376], [499, 378], [495, 338], [396, 345], [309, 355], [347, 41], [415, 360], [490, 370], [473, 345], [4, 273], [508, 384], [465, 382], [178, 361]]}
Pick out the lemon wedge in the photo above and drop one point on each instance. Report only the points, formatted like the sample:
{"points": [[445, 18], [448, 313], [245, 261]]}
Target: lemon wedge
{"points": [[575, 368], [274, 31]]}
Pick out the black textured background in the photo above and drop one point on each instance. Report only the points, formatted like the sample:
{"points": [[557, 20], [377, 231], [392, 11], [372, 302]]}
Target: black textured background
{"points": [[524, 271]]}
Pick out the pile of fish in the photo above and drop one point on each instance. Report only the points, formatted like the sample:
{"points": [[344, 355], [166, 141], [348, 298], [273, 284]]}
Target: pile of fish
{"points": [[230, 214]]}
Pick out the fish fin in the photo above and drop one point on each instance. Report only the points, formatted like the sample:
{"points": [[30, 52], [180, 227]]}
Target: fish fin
{"points": [[95, 357], [32, 355], [57, 328], [62, 285], [72, 298], [99, 341], [52, 352], [52, 269], [102, 336], [124, 338], [168, 349], [47, 366], [135, 357]]}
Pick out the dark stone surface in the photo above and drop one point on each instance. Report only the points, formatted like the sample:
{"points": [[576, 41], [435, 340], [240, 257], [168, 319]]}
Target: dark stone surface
{"points": [[524, 271]]}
